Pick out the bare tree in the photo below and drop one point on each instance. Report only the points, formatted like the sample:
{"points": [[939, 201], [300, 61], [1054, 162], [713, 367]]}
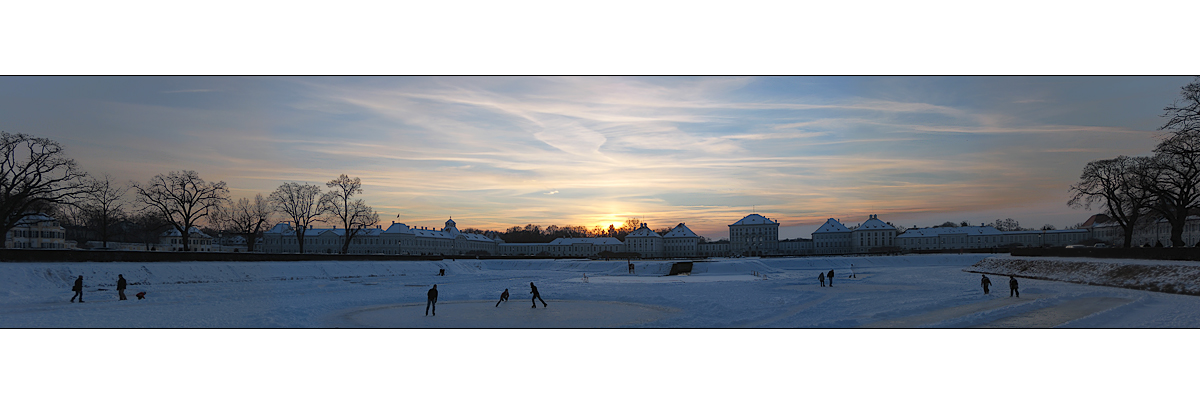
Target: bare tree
{"points": [[34, 175], [1009, 224], [1172, 176], [182, 198], [299, 203], [248, 218], [105, 204], [1175, 178], [354, 214], [148, 225], [220, 216], [1183, 115], [1116, 184]]}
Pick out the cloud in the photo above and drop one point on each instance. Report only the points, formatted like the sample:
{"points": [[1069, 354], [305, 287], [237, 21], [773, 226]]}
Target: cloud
{"points": [[695, 149]]}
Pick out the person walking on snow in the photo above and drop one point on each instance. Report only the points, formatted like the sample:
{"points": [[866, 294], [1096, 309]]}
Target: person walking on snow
{"points": [[985, 282], [830, 277], [536, 295], [121, 286], [1012, 287], [504, 298], [431, 301], [78, 288], [852, 275], [821, 277]]}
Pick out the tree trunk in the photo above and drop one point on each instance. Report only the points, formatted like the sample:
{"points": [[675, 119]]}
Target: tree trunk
{"points": [[1128, 230], [1177, 225]]}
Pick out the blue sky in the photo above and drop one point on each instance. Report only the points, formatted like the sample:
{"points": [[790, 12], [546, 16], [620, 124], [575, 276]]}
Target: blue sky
{"points": [[501, 151]]}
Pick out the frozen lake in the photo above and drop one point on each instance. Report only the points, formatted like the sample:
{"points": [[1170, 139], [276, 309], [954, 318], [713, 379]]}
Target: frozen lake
{"points": [[929, 291]]}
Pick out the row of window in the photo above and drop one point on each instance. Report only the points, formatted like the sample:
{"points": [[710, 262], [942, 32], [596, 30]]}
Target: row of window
{"points": [[34, 233], [24, 244]]}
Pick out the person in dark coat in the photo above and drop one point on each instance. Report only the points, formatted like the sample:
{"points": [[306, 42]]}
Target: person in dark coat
{"points": [[985, 282], [504, 298], [121, 286], [78, 288], [442, 272], [1012, 287], [536, 296], [431, 301], [830, 277], [821, 277]]}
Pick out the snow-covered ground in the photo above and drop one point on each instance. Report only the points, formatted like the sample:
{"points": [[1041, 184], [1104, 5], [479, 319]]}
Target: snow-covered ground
{"points": [[767, 358], [1155, 275], [887, 292]]}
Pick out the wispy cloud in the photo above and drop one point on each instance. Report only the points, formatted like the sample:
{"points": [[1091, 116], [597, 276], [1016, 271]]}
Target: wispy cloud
{"points": [[700, 150]]}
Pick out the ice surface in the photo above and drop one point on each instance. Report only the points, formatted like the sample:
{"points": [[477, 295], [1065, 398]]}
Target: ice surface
{"points": [[910, 291]]}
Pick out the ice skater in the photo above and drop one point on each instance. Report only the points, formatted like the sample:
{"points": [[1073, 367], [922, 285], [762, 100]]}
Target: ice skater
{"points": [[852, 274], [985, 282], [1012, 287], [78, 288], [830, 276], [504, 298], [821, 277], [121, 287], [442, 272], [536, 296], [431, 301]]}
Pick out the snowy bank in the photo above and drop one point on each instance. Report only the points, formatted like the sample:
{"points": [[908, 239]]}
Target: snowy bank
{"points": [[1152, 275]]}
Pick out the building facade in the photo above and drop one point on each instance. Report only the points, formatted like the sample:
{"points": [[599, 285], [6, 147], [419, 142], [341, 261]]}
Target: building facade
{"points": [[832, 238], [873, 235], [754, 235], [645, 242], [398, 238], [172, 240], [36, 231], [681, 242]]}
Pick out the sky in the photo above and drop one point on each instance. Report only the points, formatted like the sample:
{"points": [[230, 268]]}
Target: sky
{"points": [[495, 152]]}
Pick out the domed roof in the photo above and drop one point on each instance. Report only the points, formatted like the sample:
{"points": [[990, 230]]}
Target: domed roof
{"points": [[875, 224], [681, 231], [754, 218], [643, 232], [832, 226]]}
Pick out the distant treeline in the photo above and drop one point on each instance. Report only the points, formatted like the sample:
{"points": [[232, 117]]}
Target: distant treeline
{"points": [[532, 233]]}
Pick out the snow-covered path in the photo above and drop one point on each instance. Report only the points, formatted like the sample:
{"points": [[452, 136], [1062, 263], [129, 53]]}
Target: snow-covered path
{"points": [[928, 291]]}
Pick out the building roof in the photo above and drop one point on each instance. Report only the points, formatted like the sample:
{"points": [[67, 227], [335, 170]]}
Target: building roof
{"points": [[398, 228], [681, 231], [1062, 231], [192, 231], [395, 228], [964, 230], [832, 226], [643, 232], [33, 219], [875, 224], [754, 218], [372, 231], [585, 240]]}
